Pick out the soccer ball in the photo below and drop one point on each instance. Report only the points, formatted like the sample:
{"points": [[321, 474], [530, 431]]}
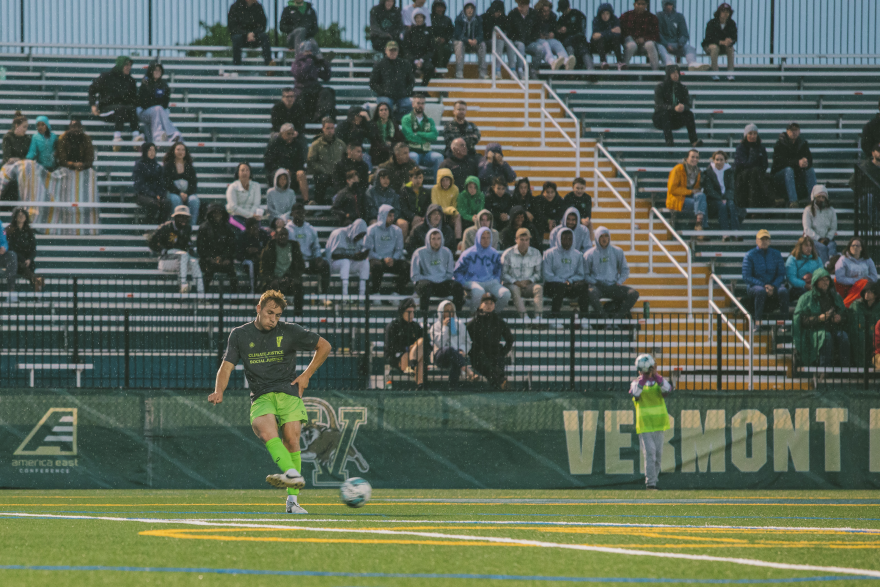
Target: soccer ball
{"points": [[644, 363], [355, 492]]}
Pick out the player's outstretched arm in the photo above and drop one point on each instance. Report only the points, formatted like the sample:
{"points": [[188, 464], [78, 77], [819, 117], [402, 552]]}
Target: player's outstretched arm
{"points": [[222, 381], [322, 351]]}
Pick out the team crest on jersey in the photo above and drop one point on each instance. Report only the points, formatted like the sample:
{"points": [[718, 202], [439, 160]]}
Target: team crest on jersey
{"points": [[327, 441], [278, 341], [251, 345]]}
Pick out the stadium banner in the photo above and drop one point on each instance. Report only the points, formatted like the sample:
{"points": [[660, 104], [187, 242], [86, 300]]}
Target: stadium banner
{"points": [[59, 439]]}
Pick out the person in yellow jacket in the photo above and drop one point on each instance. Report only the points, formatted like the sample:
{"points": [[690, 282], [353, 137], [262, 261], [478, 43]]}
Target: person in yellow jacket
{"points": [[445, 194], [684, 193], [652, 419]]}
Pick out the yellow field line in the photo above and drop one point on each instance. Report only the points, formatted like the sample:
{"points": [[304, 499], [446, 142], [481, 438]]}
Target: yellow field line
{"points": [[187, 534]]}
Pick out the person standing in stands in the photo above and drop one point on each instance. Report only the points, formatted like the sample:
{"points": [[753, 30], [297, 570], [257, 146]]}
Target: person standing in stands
{"points": [[42, 149], [305, 234], [388, 133], [281, 268], [545, 47], [243, 196], [284, 152], [519, 31], [154, 97], [468, 38], [684, 192], [793, 165], [181, 181], [721, 35], [431, 271], [606, 35], [641, 34], [299, 22], [405, 342], [22, 241], [392, 80], [521, 273], [720, 194], [173, 242], [113, 96], [820, 223], [74, 148], [309, 68], [871, 135], [571, 30], [799, 267], [149, 186], [764, 273], [280, 198], [246, 22], [753, 184], [346, 254], [217, 245], [672, 108], [675, 38], [606, 270], [460, 128], [386, 25], [478, 270], [420, 132], [9, 267], [443, 30], [324, 154], [284, 111], [418, 47], [493, 165], [384, 241], [854, 271], [487, 330]]}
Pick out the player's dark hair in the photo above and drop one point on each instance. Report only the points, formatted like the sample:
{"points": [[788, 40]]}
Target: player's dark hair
{"points": [[273, 295]]}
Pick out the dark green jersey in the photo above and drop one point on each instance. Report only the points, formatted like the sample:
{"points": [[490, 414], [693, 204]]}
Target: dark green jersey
{"points": [[269, 357]]}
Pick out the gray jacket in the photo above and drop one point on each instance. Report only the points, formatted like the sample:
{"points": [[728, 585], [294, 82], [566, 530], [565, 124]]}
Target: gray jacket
{"points": [[431, 265], [606, 265], [384, 241], [561, 265]]}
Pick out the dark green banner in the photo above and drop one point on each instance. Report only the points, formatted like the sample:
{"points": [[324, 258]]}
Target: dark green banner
{"points": [[734, 440]]}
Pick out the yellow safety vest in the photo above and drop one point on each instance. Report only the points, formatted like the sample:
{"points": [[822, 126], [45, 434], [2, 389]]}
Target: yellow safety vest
{"points": [[651, 415]]}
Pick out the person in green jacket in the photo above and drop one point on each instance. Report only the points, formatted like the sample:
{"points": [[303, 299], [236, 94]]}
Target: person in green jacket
{"points": [[865, 313], [820, 325], [471, 202], [420, 133]]}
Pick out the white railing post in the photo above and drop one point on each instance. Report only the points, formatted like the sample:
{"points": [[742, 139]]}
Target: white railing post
{"points": [[596, 173], [577, 140], [493, 61], [650, 241], [543, 124]]}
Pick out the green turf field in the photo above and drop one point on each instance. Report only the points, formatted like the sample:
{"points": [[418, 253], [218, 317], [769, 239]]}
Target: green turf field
{"points": [[439, 538]]}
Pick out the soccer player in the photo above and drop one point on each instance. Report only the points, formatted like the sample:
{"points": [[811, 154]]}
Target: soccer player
{"points": [[268, 349], [652, 419]]}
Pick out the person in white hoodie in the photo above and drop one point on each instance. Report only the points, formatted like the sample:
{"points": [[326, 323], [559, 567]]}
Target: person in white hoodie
{"points": [[583, 236], [606, 271], [820, 223], [243, 196], [280, 198], [346, 254], [451, 342]]}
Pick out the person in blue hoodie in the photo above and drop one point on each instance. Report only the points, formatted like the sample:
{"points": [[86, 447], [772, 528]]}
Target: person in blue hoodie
{"points": [[674, 38], [385, 245], [479, 271], [431, 271], [606, 35], [764, 273], [468, 38], [346, 253], [42, 148], [564, 275]]}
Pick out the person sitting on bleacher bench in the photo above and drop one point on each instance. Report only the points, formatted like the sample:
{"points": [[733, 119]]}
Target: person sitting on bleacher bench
{"points": [[571, 30], [871, 135], [217, 244], [754, 187], [386, 24], [443, 29], [420, 132], [380, 193], [283, 152], [74, 148], [9, 266], [854, 271], [384, 241], [324, 153], [799, 267], [793, 165], [284, 111], [451, 342], [564, 276], [251, 243], [820, 325], [521, 273], [173, 242], [487, 331], [405, 342], [392, 80], [113, 96], [641, 34], [721, 35], [433, 219], [16, 142], [672, 108], [387, 134], [415, 199], [582, 235], [606, 36], [42, 148], [431, 271], [484, 219], [674, 37], [684, 193], [548, 210], [495, 16], [282, 267], [280, 198], [461, 128], [581, 200], [470, 203], [499, 201], [519, 31], [478, 270], [299, 22], [305, 234], [518, 220], [149, 186], [181, 180], [468, 38], [348, 204], [246, 22], [763, 272], [346, 254], [243, 197], [820, 223], [865, 312], [492, 165], [721, 195], [353, 161], [23, 242], [606, 270], [399, 167], [357, 130], [153, 99]]}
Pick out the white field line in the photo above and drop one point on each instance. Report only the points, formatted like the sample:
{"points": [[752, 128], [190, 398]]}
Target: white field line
{"points": [[495, 540]]}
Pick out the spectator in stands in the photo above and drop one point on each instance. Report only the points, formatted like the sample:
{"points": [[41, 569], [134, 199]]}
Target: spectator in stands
{"points": [[346, 254], [405, 342], [217, 245], [8, 266], [820, 324], [582, 236], [672, 108], [42, 149], [243, 196], [548, 210], [478, 270], [280, 198], [684, 192], [152, 105], [284, 112], [571, 31], [720, 194], [387, 132], [468, 38], [522, 196], [324, 154], [445, 195], [750, 172], [384, 242], [493, 165], [348, 204], [820, 223], [521, 273], [386, 25], [173, 243], [488, 355], [380, 193], [641, 34], [460, 163], [793, 165], [16, 144], [246, 22], [451, 342], [309, 68], [299, 22], [866, 315], [392, 80], [22, 241], [353, 161], [461, 128], [74, 148], [283, 152], [799, 267], [304, 233], [563, 268], [282, 266], [764, 274], [871, 135], [495, 17], [606, 35], [414, 199], [431, 269], [484, 219], [499, 201], [149, 186], [420, 132], [443, 30], [418, 47], [870, 167], [581, 201], [470, 203], [721, 35], [675, 38], [518, 219], [519, 31], [399, 166], [433, 220], [251, 242], [606, 270], [544, 46], [113, 96], [181, 181], [408, 13], [854, 271]]}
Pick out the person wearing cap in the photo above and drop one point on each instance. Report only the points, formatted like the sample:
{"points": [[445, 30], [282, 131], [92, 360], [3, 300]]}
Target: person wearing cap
{"points": [[641, 34], [468, 38], [672, 108], [754, 187], [305, 234], [683, 190], [418, 46], [246, 23], [282, 266], [461, 128], [820, 223], [675, 37], [563, 268], [491, 342], [478, 270], [493, 165], [820, 326], [793, 165], [521, 273], [386, 24], [420, 132], [606, 270], [405, 342], [392, 80], [284, 152], [299, 22], [763, 272], [571, 30], [173, 242], [721, 35]]}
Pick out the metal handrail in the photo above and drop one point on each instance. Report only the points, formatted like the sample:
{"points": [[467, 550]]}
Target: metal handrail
{"points": [[629, 206], [688, 274], [496, 59], [750, 347], [576, 142], [206, 48]]}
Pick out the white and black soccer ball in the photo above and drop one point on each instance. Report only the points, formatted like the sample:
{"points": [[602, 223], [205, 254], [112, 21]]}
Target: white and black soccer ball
{"points": [[644, 363], [355, 492]]}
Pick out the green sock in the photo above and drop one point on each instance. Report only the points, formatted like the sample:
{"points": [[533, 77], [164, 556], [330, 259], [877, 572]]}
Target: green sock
{"points": [[280, 455], [296, 459]]}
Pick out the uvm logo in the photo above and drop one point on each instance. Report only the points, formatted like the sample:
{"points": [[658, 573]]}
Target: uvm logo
{"points": [[55, 434]]}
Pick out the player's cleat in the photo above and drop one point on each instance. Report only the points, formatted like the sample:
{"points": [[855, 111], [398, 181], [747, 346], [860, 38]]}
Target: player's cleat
{"points": [[293, 506], [291, 478]]}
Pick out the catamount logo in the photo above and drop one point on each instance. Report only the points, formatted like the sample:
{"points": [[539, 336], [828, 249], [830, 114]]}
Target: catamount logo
{"points": [[53, 436], [328, 441]]}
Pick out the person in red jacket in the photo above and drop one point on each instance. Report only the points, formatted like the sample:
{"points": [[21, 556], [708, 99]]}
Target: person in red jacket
{"points": [[641, 33]]}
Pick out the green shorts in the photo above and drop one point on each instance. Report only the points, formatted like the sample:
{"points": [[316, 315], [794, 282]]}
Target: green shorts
{"points": [[286, 408]]}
